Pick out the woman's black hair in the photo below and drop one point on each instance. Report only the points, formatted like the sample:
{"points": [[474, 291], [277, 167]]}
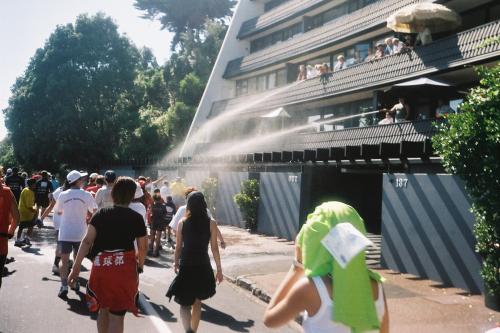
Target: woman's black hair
{"points": [[66, 185], [197, 207]]}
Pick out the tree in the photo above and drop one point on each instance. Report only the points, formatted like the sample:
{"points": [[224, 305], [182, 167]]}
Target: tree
{"points": [[180, 16], [7, 156], [191, 89], [469, 143], [75, 102], [178, 120]]}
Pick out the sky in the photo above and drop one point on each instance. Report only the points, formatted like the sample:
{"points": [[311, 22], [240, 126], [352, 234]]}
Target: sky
{"points": [[26, 24]]}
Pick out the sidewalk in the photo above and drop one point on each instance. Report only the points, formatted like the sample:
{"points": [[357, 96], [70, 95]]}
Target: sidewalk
{"points": [[259, 263]]}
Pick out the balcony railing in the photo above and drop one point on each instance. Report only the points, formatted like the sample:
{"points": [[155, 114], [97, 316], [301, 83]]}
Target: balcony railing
{"points": [[344, 28], [278, 15], [464, 48]]}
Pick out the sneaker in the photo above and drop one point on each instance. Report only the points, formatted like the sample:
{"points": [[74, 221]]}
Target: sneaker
{"points": [[63, 292], [27, 241], [76, 288], [19, 243], [55, 269], [39, 223]]}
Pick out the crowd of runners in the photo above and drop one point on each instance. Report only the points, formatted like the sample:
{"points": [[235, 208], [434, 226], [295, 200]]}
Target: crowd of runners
{"points": [[96, 216], [106, 219]]}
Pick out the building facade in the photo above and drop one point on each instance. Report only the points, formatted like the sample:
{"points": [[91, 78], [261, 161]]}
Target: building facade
{"points": [[297, 99]]}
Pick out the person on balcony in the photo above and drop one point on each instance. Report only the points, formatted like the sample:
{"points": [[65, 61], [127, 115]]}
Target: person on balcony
{"points": [[389, 48], [400, 111], [302, 73], [443, 110], [380, 52], [340, 63], [424, 36], [387, 120], [397, 46], [369, 57]]}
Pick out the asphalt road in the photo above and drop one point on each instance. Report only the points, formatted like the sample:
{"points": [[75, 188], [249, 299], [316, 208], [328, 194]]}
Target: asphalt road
{"points": [[29, 302]]}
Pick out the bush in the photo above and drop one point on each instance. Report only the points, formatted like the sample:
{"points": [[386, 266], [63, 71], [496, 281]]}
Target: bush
{"points": [[209, 189], [248, 201], [469, 143]]}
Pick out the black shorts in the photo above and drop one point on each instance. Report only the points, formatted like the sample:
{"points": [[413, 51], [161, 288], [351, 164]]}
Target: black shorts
{"points": [[42, 202], [27, 224], [159, 225]]}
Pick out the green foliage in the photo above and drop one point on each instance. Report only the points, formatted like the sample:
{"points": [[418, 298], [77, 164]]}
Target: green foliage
{"points": [[180, 16], [469, 143], [248, 202], [7, 157], [179, 117], [77, 94], [209, 189], [191, 89]]}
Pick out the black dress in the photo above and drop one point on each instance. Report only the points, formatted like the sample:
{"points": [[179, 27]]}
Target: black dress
{"points": [[195, 279]]}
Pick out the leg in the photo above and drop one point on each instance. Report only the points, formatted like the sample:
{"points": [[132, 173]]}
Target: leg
{"points": [[64, 268], [103, 321], [196, 316], [3, 258], [20, 231], [158, 240], [186, 317], [116, 323]]}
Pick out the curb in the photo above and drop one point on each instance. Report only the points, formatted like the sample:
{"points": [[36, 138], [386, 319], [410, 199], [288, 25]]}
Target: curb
{"points": [[247, 284]]}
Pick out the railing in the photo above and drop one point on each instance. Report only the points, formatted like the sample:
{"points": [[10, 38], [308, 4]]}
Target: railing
{"points": [[277, 16], [448, 53], [360, 21]]}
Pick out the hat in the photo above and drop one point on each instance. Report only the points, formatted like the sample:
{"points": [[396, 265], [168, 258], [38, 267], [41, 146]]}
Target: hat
{"points": [[110, 176], [74, 175], [9, 171], [340, 57], [93, 175], [379, 44], [138, 191]]}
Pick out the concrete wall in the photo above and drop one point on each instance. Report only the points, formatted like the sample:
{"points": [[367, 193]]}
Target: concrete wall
{"points": [[427, 229], [279, 207], [229, 183]]}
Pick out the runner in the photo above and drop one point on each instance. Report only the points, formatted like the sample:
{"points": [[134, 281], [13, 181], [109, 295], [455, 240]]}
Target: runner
{"points": [[57, 222], [15, 182], [99, 183], [43, 188], [27, 212], [137, 205], [181, 213], [178, 192], [8, 222], [73, 205], [161, 215], [113, 282], [170, 215], [103, 196], [165, 191], [92, 180]]}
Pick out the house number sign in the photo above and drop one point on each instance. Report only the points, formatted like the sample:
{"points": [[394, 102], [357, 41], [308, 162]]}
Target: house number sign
{"points": [[401, 182]]}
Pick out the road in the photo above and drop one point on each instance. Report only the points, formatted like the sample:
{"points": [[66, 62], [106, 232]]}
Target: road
{"points": [[29, 302]]}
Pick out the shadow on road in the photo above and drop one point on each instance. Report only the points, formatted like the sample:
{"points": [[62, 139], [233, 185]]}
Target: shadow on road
{"points": [[164, 313], [152, 263], [217, 317], [32, 250]]}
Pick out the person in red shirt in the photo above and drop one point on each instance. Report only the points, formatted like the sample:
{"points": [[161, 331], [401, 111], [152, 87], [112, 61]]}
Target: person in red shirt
{"points": [[9, 218], [99, 182]]}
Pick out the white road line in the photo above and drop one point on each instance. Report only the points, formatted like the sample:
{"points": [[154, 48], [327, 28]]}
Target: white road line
{"points": [[155, 318]]}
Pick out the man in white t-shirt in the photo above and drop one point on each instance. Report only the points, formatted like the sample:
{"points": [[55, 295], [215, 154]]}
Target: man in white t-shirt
{"points": [[103, 196], [165, 191], [73, 205], [57, 222]]}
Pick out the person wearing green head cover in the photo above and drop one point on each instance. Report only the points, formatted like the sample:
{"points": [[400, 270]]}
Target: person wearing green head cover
{"points": [[336, 297]]}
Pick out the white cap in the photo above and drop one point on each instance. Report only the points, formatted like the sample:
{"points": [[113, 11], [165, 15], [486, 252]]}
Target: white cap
{"points": [[138, 191], [93, 175], [74, 175]]}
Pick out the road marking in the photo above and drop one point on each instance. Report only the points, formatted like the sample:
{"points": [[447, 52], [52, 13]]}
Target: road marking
{"points": [[155, 318]]}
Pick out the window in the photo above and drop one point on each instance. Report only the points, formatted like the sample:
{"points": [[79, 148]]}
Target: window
{"points": [[241, 87], [281, 78], [271, 81], [334, 13], [276, 37], [261, 83], [252, 85], [273, 4]]}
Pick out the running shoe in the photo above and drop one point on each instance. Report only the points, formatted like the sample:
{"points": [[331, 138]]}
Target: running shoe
{"points": [[19, 243], [63, 292], [27, 241], [55, 269], [76, 288], [39, 223]]}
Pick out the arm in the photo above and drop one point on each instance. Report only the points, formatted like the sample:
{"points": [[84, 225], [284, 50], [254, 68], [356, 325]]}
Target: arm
{"points": [[48, 209], [82, 252], [219, 236], [14, 216], [142, 247], [287, 303], [178, 248], [215, 249]]}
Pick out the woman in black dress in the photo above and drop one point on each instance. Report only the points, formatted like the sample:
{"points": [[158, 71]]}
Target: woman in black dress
{"points": [[195, 278]]}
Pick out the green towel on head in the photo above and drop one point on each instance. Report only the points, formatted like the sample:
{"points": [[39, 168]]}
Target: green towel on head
{"points": [[354, 305]]}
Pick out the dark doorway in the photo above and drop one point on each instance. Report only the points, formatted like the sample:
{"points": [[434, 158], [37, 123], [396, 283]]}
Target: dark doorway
{"points": [[361, 190]]}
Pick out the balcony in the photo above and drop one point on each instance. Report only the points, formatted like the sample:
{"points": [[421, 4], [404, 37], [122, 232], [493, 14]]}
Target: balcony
{"points": [[278, 15], [344, 28], [445, 54]]}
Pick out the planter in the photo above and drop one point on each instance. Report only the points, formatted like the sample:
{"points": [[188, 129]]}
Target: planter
{"points": [[491, 301]]}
